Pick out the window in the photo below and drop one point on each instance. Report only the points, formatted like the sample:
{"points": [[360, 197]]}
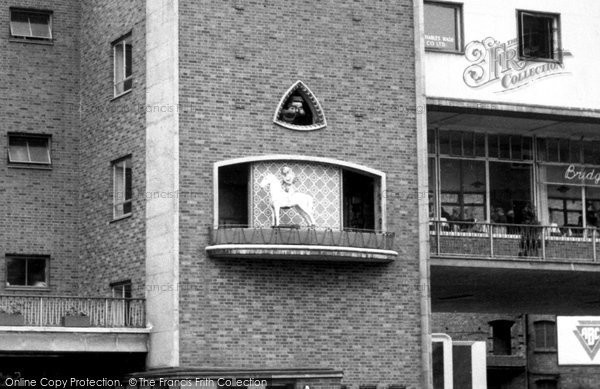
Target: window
{"points": [[538, 35], [27, 271], [122, 188], [28, 149], [123, 75], [443, 26], [30, 24], [545, 384], [121, 289], [501, 337], [545, 335]]}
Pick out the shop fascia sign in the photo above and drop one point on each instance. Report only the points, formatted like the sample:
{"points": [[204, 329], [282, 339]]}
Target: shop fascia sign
{"points": [[583, 175], [498, 63], [578, 340]]}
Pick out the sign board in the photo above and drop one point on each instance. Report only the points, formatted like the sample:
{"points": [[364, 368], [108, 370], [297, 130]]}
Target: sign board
{"points": [[578, 340]]}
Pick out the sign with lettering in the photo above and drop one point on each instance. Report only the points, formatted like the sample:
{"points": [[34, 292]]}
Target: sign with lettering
{"points": [[497, 63], [578, 340], [572, 175]]}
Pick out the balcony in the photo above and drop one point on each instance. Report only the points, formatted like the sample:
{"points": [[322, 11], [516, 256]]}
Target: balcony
{"points": [[72, 324], [513, 242], [50, 311], [293, 243]]}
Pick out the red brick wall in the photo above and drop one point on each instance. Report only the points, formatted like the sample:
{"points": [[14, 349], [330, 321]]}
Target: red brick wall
{"points": [[357, 58], [40, 95], [111, 251]]}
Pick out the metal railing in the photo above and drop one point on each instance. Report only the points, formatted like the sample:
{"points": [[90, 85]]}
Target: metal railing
{"points": [[370, 239], [49, 311], [491, 240]]}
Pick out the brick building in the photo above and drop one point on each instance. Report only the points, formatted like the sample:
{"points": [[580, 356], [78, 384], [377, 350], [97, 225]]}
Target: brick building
{"points": [[513, 130], [150, 146]]}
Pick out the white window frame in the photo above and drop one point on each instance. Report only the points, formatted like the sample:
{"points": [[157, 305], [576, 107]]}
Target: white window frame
{"points": [[458, 27], [31, 12], [29, 137], [118, 200], [556, 41], [121, 44]]}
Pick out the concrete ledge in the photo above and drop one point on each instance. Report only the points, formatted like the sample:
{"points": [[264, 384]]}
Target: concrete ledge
{"points": [[58, 339], [243, 373], [301, 253], [509, 263]]}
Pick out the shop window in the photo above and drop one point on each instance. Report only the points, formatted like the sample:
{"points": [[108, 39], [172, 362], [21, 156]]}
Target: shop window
{"points": [[510, 191], [592, 206], [510, 147], [27, 271], [24, 149], [538, 36], [462, 144], [433, 212], [591, 155], [27, 24], [122, 187], [545, 335], [443, 26], [565, 205], [463, 190], [501, 337], [123, 69], [431, 141]]}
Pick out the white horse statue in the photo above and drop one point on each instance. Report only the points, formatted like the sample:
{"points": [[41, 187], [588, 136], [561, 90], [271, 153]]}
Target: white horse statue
{"points": [[301, 202]]}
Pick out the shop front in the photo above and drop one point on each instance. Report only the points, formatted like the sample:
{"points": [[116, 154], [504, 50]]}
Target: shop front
{"points": [[511, 195]]}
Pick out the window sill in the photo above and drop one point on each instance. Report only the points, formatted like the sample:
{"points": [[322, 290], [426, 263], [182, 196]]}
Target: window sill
{"points": [[545, 351], [44, 42], [28, 288], [29, 166], [544, 60], [122, 94], [118, 219], [458, 52]]}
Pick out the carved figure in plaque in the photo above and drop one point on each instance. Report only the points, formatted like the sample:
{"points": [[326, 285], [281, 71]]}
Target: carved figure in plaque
{"points": [[282, 197]]}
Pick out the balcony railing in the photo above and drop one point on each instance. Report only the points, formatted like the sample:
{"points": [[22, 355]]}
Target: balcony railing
{"points": [[509, 241], [49, 311], [364, 239]]}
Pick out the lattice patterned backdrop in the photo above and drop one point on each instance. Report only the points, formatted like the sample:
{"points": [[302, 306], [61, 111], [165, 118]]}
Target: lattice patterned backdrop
{"points": [[322, 182]]}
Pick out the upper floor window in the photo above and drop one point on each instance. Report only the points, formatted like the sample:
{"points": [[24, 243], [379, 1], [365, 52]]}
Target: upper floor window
{"points": [[123, 74], [546, 384], [538, 35], [501, 336], [28, 149], [122, 187], [30, 24], [545, 335], [121, 289], [26, 271], [443, 26]]}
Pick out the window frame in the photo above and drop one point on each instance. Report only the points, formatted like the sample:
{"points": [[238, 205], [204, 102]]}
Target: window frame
{"points": [[556, 36], [458, 27], [122, 285], [116, 203], [545, 347], [122, 42], [27, 257], [28, 137], [31, 38]]}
